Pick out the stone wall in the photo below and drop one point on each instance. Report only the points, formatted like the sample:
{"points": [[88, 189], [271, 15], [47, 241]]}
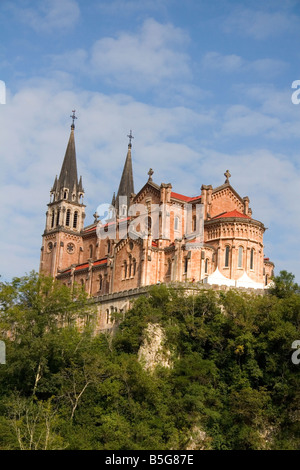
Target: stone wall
{"points": [[120, 302]]}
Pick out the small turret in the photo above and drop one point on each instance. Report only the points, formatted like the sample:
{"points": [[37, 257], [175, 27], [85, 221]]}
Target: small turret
{"points": [[126, 187]]}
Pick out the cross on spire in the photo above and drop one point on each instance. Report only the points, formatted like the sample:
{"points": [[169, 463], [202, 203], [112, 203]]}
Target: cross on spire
{"points": [[150, 173], [130, 137], [228, 175], [73, 119]]}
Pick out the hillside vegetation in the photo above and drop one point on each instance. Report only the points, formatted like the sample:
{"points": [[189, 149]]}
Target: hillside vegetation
{"points": [[209, 370]]}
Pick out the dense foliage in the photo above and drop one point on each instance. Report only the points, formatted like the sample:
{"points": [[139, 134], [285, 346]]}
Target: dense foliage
{"points": [[231, 383]]}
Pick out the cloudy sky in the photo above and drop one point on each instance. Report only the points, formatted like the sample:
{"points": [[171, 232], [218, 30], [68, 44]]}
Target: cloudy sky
{"points": [[205, 86]]}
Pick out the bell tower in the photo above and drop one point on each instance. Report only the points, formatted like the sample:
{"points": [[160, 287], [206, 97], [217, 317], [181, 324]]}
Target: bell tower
{"points": [[62, 238]]}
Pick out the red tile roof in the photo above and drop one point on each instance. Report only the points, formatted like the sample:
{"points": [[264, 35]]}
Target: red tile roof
{"points": [[106, 225], [90, 229], [183, 198], [100, 261], [233, 213], [82, 266], [86, 265]]}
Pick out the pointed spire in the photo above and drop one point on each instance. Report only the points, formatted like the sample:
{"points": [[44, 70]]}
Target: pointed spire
{"points": [[54, 185], [68, 175], [80, 187], [126, 187], [68, 179], [113, 201]]}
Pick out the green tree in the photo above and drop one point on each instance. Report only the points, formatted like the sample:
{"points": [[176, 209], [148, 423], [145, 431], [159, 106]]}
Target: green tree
{"points": [[284, 285]]}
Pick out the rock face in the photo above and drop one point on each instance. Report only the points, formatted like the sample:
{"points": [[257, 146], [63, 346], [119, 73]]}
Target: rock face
{"points": [[153, 352], [198, 440]]}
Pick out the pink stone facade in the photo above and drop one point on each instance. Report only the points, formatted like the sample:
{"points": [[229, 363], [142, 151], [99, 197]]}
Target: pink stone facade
{"points": [[233, 242], [157, 239]]}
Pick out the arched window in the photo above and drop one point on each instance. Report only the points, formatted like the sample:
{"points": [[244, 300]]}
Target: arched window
{"points": [[252, 258], [134, 266], [91, 251], [240, 257], [68, 216], [148, 223], [176, 223], [100, 282], [194, 223], [186, 263], [75, 219], [107, 316], [227, 252], [168, 273], [130, 265], [206, 266], [65, 195], [57, 217], [111, 314], [108, 246], [125, 269], [52, 220]]}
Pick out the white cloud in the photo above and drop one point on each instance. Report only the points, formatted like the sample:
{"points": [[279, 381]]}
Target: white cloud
{"points": [[71, 60], [232, 63], [48, 15], [129, 7], [227, 63], [267, 113], [149, 57], [243, 121], [267, 67], [260, 24]]}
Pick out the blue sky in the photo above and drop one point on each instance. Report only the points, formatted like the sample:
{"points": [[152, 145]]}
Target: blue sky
{"points": [[205, 86]]}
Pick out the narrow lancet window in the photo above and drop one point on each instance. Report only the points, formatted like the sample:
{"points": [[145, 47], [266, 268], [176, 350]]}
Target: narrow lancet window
{"points": [[68, 217], [240, 257], [252, 259], [227, 251], [75, 219]]}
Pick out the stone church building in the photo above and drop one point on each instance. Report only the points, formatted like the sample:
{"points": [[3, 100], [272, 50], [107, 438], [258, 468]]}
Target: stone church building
{"points": [[151, 236]]}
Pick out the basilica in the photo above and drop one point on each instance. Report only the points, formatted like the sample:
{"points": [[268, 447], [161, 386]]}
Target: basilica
{"points": [[154, 235]]}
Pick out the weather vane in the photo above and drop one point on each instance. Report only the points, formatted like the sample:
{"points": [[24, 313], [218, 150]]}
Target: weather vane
{"points": [[73, 119]]}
